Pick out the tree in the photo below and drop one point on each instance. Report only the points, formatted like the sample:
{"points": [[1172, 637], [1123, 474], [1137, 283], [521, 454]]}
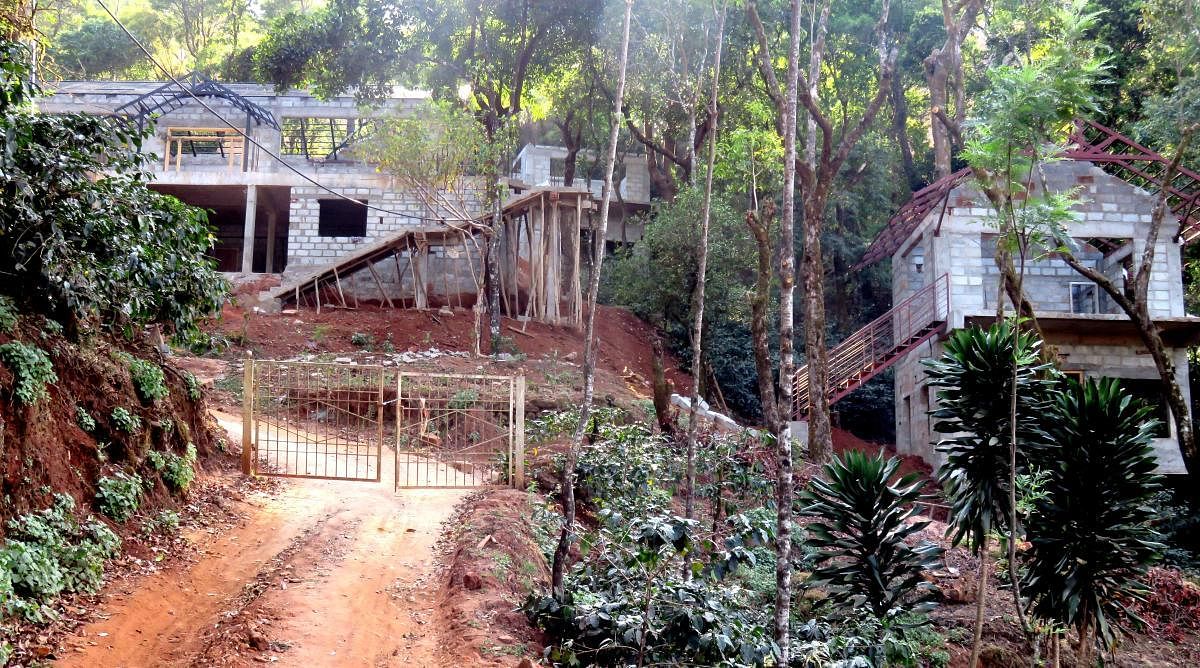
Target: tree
{"points": [[862, 521], [702, 268], [817, 173], [980, 375], [486, 54], [589, 333], [96, 48], [81, 234], [1090, 534], [944, 78]]}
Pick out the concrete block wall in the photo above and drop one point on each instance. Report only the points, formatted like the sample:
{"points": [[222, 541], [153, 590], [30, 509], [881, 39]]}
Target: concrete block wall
{"points": [[306, 246]]}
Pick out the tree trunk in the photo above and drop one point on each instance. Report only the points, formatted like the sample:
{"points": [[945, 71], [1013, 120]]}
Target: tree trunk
{"points": [[980, 601], [589, 351], [759, 309], [820, 431], [900, 133], [662, 392], [689, 496], [784, 484]]}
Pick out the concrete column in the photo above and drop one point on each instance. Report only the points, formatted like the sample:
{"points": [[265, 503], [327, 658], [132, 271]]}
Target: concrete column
{"points": [[248, 232], [270, 242]]}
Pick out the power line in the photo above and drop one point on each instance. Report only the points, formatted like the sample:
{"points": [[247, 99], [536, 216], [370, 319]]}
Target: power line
{"points": [[261, 147]]}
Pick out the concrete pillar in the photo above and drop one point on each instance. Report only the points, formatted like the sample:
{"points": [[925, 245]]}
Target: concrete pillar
{"points": [[270, 242], [248, 232]]}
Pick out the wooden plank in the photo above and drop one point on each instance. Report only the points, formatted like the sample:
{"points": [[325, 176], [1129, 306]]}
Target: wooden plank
{"points": [[518, 444], [247, 416], [379, 283]]}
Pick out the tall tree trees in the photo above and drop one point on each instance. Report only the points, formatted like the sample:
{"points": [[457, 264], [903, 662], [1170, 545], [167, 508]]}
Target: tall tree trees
{"points": [[559, 564]]}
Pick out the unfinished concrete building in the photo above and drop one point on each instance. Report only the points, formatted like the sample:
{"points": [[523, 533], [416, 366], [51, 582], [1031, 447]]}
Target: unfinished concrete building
{"points": [[296, 200], [942, 243]]}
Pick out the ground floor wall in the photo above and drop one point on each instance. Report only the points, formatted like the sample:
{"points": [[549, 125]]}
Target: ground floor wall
{"points": [[915, 398]]}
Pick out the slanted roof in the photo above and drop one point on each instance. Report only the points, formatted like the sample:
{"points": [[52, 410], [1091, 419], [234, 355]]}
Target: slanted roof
{"points": [[171, 96], [1108, 149]]}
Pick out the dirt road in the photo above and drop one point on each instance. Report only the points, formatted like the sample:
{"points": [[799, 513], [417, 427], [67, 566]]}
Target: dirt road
{"points": [[324, 573]]}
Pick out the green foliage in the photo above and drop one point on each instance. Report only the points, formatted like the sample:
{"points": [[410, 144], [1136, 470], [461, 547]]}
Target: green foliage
{"points": [[163, 523], [32, 371], [974, 378], [8, 314], [631, 600], [861, 530], [362, 340], [867, 641], [119, 495], [95, 48], [731, 475], [177, 471], [561, 423], [148, 378], [125, 421], [50, 552], [194, 390], [81, 234], [1091, 538], [627, 469]]}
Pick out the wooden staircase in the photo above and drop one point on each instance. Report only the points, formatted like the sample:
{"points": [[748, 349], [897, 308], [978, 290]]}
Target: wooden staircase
{"points": [[872, 349]]}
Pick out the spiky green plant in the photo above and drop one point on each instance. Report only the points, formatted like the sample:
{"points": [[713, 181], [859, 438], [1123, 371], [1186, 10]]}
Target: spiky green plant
{"points": [[1091, 536], [863, 514], [974, 378]]}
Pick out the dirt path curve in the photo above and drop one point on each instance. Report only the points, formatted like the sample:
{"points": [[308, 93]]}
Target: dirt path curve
{"points": [[325, 573]]}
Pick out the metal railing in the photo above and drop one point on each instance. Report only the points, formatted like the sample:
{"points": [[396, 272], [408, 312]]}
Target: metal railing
{"points": [[872, 349]]}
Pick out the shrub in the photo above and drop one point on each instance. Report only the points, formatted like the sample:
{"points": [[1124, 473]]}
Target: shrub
{"points": [[178, 472], [362, 340], [119, 495], [631, 602], [194, 391], [861, 528], [84, 419], [164, 523], [627, 470], [148, 378], [126, 421], [8, 314], [32, 371], [49, 552], [1091, 539]]}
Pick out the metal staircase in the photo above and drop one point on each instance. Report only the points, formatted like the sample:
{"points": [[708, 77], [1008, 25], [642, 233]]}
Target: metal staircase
{"points": [[872, 349]]}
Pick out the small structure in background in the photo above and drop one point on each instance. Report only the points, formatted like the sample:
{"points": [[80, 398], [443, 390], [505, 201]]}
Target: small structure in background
{"points": [[942, 245]]}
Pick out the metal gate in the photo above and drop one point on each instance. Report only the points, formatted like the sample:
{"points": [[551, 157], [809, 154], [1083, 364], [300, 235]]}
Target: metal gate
{"points": [[331, 421], [314, 420], [458, 430]]}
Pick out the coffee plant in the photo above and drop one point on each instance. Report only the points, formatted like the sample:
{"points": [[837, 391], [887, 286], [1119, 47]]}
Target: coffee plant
{"points": [[50, 552], [148, 378], [84, 419], [125, 421], [177, 471], [32, 371], [119, 495]]}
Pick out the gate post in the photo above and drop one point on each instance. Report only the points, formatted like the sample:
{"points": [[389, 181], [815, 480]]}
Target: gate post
{"points": [[517, 450], [247, 415]]}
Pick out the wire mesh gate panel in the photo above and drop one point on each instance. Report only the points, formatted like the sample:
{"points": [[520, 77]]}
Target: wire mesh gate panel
{"points": [[315, 420], [459, 430]]}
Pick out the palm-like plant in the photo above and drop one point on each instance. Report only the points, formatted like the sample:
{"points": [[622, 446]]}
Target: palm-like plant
{"points": [[863, 523], [1091, 538], [975, 383]]}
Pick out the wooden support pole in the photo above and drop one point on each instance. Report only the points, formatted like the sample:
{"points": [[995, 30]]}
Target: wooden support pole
{"points": [[554, 261], [338, 280], [317, 293], [518, 445], [379, 283], [248, 416], [271, 231]]}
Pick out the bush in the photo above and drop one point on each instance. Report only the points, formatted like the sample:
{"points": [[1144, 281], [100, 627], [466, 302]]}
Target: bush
{"points": [[362, 340], [48, 553], [8, 314], [178, 472], [84, 419], [81, 233], [628, 470], [148, 378], [1091, 539], [861, 531], [194, 391], [165, 523], [631, 600], [32, 371], [119, 495], [126, 421]]}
